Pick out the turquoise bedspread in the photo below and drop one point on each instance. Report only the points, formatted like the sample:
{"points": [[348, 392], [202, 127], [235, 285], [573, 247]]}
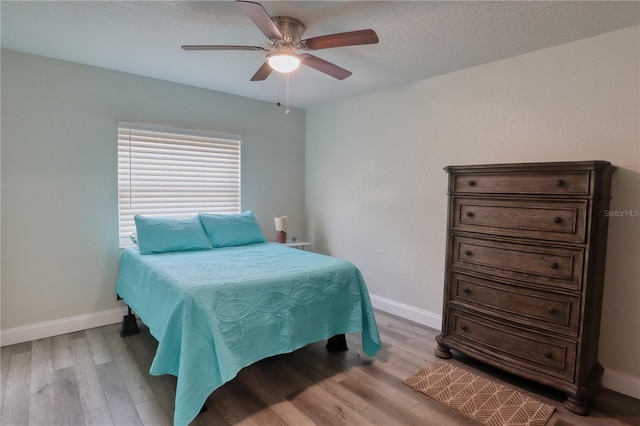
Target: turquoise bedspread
{"points": [[214, 312]]}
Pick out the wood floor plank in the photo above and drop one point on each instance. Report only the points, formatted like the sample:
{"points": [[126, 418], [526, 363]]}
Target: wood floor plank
{"points": [[332, 365], [99, 350], [142, 348], [61, 352], [328, 384], [381, 397], [283, 377], [324, 409], [619, 406], [395, 337], [381, 360], [252, 380], [313, 402], [420, 347], [383, 416], [388, 322], [151, 413], [116, 326], [211, 417], [131, 374], [398, 355], [121, 406], [15, 408], [6, 352], [91, 394], [319, 405], [246, 408], [387, 384], [41, 383], [164, 391], [436, 414], [98, 417], [402, 364], [66, 398]]}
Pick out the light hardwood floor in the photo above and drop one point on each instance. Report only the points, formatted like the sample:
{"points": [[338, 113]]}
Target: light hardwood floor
{"points": [[95, 377]]}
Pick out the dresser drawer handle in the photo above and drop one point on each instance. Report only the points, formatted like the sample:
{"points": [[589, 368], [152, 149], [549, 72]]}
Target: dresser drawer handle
{"points": [[547, 354], [466, 291], [554, 265], [471, 183], [464, 328], [468, 252], [552, 310], [558, 220], [469, 214], [560, 182]]}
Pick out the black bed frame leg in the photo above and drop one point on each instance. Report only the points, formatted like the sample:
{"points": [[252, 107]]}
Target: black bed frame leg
{"points": [[337, 343], [129, 324]]}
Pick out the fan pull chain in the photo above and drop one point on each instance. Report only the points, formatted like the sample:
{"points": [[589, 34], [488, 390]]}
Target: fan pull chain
{"points": [[287, 111], [279, 78], [286, 105]]}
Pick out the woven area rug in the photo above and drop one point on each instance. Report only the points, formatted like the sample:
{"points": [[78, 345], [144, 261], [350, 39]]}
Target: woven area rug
{"points": [[480, 399]]}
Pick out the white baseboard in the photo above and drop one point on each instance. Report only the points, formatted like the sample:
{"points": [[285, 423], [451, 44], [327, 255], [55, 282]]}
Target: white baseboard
{"points": [[407, 312], [611, 379], [31, 332], [621, 382]]}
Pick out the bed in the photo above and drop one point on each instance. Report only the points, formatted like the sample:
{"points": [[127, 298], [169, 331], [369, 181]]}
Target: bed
{"points": [[215, 311]]}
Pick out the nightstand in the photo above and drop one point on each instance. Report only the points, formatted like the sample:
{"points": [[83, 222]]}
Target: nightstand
{"points": [[297, 244]]}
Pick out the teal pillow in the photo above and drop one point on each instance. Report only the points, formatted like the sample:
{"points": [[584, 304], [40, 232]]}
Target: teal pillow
{"points": [[230, 230], [166, 234]]}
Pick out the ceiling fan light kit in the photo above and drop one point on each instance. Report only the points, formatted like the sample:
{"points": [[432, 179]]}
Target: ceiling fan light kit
{"points": [[283, 60], [284, 35]]}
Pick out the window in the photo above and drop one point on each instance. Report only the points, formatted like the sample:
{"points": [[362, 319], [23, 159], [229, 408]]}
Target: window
{"points": [[175, 172]]}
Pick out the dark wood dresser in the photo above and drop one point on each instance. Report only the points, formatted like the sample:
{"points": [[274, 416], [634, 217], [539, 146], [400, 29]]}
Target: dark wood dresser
{"points": [[524, 271]]}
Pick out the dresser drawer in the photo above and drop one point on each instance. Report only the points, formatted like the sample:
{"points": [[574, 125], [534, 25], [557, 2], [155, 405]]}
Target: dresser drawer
{"points": [[539, 219], [527, 349], [535, 308], [554, 266], [562, 183]]}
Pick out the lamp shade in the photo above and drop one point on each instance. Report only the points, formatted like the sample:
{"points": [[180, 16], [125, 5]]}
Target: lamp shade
{"points": [[281, 223]]}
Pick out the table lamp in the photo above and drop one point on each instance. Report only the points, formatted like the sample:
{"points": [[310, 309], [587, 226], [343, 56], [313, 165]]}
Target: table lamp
{"points": [[281, 228]]}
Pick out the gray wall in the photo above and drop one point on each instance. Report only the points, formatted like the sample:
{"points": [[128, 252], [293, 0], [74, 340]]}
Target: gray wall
{"points": [[376, 191], [59, 183]]}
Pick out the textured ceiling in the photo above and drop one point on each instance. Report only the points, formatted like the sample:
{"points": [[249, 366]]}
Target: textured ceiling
{"points": [[418, 39]]}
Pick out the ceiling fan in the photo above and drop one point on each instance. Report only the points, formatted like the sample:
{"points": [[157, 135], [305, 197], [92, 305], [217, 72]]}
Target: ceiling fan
{"points": [[284, 34]]}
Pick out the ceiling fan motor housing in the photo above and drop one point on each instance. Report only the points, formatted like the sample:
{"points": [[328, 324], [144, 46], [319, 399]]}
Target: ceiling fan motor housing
{"points": [[290, 28]]}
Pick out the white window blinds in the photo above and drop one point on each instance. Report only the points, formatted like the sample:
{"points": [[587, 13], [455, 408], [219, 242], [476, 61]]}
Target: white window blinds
{"points": [[175, 172]]}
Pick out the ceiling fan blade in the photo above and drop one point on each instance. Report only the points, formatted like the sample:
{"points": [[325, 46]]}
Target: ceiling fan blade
{"points": [[350, 38], [220, 47], [325, 66], [261, 18], [263, 72]]}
